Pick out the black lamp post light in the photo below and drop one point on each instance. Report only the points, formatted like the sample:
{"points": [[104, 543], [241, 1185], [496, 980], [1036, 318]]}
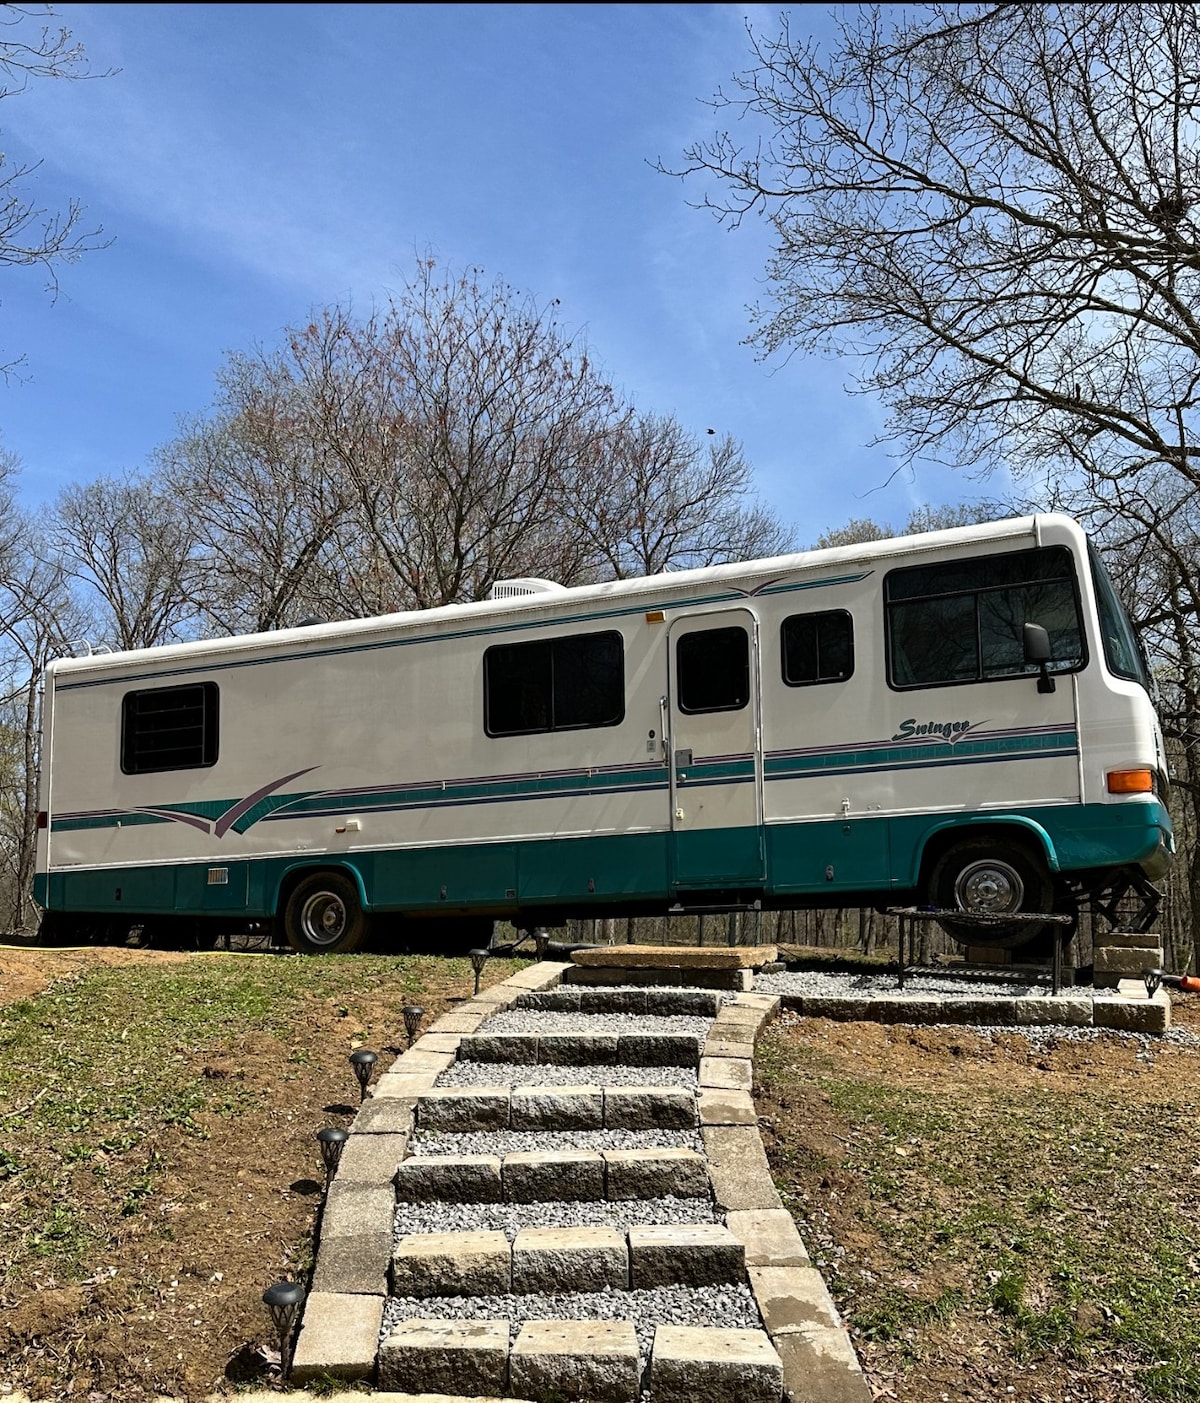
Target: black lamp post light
{"points": [[363, 1061], [332, 1140], [413, 1014], [478, 959], [284, 1300]]}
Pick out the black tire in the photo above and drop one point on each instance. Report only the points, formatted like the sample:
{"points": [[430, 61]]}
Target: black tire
{"points": [[992, 876], [323, 916]]}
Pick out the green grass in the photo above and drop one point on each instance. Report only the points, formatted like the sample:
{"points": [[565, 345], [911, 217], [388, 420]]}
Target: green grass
{"points": [[93, 1070], [1064, 1221]]}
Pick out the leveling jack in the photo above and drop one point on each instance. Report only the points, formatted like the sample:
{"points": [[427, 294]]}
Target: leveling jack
{"points": [[1153, 978]]}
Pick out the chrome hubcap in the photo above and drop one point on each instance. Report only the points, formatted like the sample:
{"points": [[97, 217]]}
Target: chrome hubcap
{"points": [[323, 918], [990, 888]]}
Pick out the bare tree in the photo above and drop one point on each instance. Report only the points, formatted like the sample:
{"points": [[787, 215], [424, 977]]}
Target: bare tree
{"points": [[263, 500], [667, 499], [995, 209], [30, 235], [468, 422], [454, 436], [129, 543], [920, 520]]}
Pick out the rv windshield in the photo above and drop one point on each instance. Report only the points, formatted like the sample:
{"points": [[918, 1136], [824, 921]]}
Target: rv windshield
{"points": [[1122, 651]]}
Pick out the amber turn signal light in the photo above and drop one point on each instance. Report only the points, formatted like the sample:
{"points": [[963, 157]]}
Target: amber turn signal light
{"points": [[1130, 781]]}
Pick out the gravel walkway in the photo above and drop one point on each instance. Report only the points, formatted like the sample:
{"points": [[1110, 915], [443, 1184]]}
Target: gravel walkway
{"points": [[504, 1142], [729, 1307], [534, 1021], [467, 1074], [510, 1218], [817, 984], [1046, 1037]]}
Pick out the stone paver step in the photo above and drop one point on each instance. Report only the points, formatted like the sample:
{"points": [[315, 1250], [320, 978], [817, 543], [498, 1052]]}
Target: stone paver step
{"points": [[675, 958], [536, 1176], [719, 979], [557, 1261], [583, 1049], [738, 1246], [658, 1002], [693, 1364], [583, 1107], [597, 1360]]}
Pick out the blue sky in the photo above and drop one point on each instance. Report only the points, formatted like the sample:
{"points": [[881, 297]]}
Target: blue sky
{"points": [[252, 162]]}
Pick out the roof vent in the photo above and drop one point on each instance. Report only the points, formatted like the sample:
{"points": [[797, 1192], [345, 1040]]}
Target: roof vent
{"points": [[529, 584]]}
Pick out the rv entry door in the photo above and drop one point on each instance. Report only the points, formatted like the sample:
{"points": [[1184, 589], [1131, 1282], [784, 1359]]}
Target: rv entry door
{"points": [[715, 751]]}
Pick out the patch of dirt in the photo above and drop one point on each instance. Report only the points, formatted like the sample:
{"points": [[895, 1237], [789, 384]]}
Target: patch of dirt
{"points": [[25, 970], [172, 1303], [969, 1357]]}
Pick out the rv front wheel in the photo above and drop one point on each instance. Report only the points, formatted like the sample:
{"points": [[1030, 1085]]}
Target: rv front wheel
{"points": [[991, 877], [323, 916]]}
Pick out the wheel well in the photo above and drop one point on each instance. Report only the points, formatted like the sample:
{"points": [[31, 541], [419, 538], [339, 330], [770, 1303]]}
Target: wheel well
{"points": [[292, 879], [1012, 834]]}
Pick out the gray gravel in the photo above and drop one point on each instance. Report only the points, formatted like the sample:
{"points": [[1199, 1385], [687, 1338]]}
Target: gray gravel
{"points": [[528, 1020], [551, 1074], [503, 1142], [818, 984], [730, 1307], [1045, 1037], [509, 1218]]}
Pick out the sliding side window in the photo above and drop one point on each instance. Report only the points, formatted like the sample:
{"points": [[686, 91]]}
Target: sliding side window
{"points": [[964, 620], [554, 684], [817, 648], [169, 728]]}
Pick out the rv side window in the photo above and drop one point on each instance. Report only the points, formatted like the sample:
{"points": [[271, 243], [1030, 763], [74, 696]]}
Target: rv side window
{"points": [[712, 670], [554, 684], [963, 620], [169, 728], [817, 648]]}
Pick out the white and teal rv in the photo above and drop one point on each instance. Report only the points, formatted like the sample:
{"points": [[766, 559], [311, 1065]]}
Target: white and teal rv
{"points": [[959, 719]]}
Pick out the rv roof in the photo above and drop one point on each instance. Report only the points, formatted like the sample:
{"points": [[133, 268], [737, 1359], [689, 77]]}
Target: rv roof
{"points": [[666, 585]]}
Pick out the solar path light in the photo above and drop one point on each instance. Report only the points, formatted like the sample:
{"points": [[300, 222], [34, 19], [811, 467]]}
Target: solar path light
{"points": [[363, 1061], [478, 959], [284, 1300], [332, 1140], [413, 1014], [541, 939]]}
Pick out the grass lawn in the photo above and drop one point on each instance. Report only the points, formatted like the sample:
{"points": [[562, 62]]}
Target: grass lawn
{"points": [[997, 1220], [158, 1167]]}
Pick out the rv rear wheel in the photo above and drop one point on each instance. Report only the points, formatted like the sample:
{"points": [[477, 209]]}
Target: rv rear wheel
{"points": [[323, 916], [991, 877]]}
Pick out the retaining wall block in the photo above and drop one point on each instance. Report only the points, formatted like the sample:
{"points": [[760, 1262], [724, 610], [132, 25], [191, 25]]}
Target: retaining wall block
{"points": [[544, 1176], [450, 1178], [455, 1357], [557, 1108], [649, 1108], [691, 1254], [665, 1173], [592, 1359], [464, 1108], [452, 1264], [559, 1260], [691, 1364]]}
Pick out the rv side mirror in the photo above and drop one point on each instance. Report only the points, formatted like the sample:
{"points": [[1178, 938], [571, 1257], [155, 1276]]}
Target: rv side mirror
{"points": [[1037, 651]]}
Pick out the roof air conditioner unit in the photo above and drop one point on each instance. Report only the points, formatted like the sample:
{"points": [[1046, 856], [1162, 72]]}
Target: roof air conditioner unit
{"points": [[529, 584]]}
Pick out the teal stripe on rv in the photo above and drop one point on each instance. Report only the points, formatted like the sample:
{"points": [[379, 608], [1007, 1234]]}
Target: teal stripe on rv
{"points": [[803, 859], [785, 765]]}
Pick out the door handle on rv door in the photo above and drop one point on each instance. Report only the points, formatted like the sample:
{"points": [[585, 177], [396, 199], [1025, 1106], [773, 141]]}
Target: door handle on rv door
{"points": [[662, 730]]}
